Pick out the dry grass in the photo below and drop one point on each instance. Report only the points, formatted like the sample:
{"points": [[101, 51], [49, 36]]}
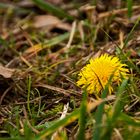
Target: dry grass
{"points": [[41, 53]]}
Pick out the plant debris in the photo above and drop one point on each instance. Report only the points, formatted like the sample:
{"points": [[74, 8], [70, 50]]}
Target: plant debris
{"points": [[43, 47]]}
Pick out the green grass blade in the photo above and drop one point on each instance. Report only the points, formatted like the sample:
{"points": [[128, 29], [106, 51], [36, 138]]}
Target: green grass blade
{"points": [[131, 33], [12, 138], [56, 40], [120, 51], [128, 61], [98, 116], [3, 42], [129, 7], [116, 112], [82, 119], [52, 9], [28, 96], [118, 106], [61, 123], [100, 110], [14, 8], [128, 120]]}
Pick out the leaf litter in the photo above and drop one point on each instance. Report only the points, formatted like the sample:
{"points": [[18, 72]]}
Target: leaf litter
{"points": [[52, 50]]}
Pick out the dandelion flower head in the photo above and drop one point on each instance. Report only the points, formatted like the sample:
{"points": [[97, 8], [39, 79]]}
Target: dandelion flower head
{"points": [[96, 75]]}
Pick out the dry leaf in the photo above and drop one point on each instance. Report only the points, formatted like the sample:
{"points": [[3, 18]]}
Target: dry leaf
{"points": [[6, 72], [45, 20], [50, 22]]}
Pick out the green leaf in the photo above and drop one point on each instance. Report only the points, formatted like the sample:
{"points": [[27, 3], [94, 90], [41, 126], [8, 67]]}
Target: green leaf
{"points": [[131, 33], [99, 113], [56, 39], [14, 8], [117, 106], [129, 120], [60, 123], [52, 9], [82, 119], [129, 7]]}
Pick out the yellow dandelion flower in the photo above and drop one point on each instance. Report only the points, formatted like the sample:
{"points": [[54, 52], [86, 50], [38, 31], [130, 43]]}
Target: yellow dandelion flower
{"points": [[97, 73]]}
